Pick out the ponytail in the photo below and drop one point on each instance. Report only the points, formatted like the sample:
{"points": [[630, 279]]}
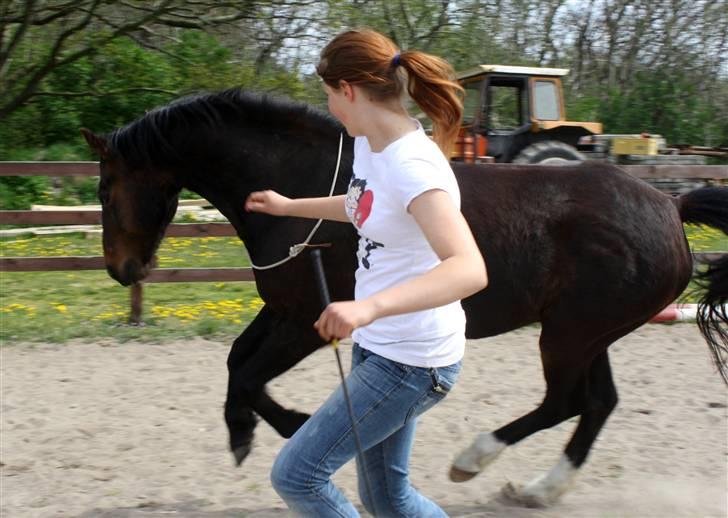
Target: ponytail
{"points": [[372, 61], [431, 86]]}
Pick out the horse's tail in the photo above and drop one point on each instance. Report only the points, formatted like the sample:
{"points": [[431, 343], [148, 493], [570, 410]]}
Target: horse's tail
{"points": [[709, 206]]}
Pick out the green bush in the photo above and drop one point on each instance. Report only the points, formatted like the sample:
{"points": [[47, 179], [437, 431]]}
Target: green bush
{"points": [[664, 103], [20, 192]]}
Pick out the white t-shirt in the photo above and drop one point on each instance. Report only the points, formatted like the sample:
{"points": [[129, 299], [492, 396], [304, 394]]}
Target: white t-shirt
{"points": [[393, 249]]}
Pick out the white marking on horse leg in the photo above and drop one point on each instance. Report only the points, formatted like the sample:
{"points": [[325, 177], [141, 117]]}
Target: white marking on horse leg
{"points": [[484, 450], [546, 489]]}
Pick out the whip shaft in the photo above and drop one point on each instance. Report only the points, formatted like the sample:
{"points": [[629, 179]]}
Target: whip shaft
{"points": [[323, 288]]}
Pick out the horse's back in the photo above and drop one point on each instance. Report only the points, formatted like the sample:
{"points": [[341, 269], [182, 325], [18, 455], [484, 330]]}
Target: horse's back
{"points": [[581, 234]]}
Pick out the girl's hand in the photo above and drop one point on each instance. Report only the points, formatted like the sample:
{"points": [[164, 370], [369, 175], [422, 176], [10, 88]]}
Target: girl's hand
{"points": [[269, 202], [339, 319]]}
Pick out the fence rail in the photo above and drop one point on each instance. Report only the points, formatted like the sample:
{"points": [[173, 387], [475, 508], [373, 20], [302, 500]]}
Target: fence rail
{"points": [[49, 168], [677, 172], [701, 172], [80, 216]]}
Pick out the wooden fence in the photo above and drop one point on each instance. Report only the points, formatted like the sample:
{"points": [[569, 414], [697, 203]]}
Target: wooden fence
{"points": [[93, 217]]}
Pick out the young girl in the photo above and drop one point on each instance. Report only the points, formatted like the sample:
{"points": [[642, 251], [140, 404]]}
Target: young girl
{"points": [[417, 259]]}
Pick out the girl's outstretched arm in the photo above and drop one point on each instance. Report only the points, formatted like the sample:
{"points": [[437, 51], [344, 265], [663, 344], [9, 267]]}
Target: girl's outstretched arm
{"points": [[270, 202]]}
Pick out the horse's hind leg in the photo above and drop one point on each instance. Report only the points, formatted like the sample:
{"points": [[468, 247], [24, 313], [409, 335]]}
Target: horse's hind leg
{"points": [[578, 382], [565, 363], [601, 398], [564, 372]]}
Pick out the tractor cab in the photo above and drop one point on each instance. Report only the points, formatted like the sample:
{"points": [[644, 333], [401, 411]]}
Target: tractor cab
{"points": [[516, 114]]}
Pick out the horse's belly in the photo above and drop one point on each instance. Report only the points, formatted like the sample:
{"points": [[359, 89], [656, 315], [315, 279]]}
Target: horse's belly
{"points": [[489, 315]]}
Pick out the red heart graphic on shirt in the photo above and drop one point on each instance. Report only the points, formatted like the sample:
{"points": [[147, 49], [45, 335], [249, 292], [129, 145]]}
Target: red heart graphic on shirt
{"points": [[363, 208]]}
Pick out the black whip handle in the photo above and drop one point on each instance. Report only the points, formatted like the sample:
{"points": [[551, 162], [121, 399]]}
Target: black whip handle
{"points": [[318, 270]]}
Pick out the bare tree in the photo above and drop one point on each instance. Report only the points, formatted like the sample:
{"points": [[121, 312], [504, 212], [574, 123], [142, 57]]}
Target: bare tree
{"points": [[607, 43], [54, 34]]}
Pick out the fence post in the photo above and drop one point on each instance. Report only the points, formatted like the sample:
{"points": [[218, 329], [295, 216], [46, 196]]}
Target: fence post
{"points": [[136, 290]]}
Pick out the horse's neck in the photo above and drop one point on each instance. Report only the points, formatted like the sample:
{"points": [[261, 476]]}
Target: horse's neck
{"points": [[220, 190], [227, 181], [313, 171]]}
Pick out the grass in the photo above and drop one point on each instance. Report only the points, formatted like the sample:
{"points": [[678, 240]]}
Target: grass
{"points": [[705, 239], [88, 305], [60, 306]]}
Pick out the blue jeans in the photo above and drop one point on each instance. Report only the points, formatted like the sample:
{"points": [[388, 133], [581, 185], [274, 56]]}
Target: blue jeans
{"points": [[386, 397]]}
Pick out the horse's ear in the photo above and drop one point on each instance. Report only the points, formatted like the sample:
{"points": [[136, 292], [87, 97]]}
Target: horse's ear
{"points": [[96, 143]]}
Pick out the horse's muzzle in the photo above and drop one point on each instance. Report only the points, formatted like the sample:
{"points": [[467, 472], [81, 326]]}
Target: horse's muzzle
{"points": [[132, 271]]}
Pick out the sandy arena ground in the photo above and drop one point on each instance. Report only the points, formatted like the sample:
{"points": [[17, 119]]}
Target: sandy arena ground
{"points": [[134, 430]]}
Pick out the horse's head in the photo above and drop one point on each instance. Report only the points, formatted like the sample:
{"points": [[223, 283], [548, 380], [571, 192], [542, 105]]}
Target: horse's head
{"points": [[138, 202]]}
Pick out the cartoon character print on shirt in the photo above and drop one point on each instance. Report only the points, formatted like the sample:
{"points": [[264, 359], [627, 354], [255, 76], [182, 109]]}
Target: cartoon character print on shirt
{"points": [[359, 202], [368, 247]]}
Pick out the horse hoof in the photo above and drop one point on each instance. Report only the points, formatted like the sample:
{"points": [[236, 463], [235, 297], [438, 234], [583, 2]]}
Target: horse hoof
{"points": [[458, 475], [240, 453], [516, 494]]}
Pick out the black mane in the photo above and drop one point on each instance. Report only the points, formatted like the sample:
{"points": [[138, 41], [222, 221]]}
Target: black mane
{"points": [[146, 141]]}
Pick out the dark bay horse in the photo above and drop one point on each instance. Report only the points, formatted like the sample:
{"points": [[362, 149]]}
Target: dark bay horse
{"points": [[586, 250]]}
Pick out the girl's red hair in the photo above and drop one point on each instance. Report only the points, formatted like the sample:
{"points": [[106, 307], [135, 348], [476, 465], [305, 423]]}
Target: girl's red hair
{"points": [[366, 58]]}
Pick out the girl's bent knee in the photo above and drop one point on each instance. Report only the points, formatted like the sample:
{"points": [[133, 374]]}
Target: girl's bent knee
{"points": [[288, 478], [280, 477]]}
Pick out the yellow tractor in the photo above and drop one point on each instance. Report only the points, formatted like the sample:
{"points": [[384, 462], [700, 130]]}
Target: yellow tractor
{"points": [[517, 114]]}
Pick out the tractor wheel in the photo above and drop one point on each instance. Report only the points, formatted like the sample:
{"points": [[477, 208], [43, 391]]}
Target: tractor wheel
{"points": [[548, 152]]}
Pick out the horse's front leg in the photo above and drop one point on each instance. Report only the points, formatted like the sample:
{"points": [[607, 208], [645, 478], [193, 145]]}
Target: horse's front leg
{"points": [[283, 345], [239, 416]]}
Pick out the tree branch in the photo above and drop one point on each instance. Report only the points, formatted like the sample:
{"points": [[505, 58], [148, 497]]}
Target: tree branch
{"points": [[197, 21], [96, 93], [19, 32], [56, 12], [442, 21], [52, 62]]}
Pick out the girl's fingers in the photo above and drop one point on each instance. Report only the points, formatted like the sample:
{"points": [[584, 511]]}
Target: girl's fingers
{"points": [[319, 329], [331, 326], [265, 201], [252, 202], [257, 202]]}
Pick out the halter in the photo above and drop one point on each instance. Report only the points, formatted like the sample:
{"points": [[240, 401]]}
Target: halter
{"points": [[294, 250]]}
